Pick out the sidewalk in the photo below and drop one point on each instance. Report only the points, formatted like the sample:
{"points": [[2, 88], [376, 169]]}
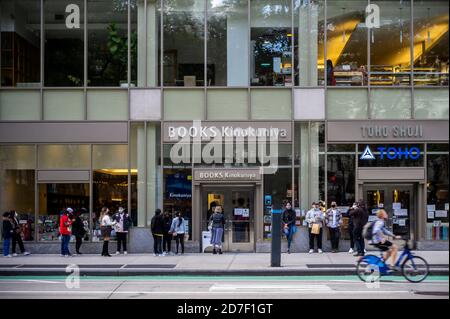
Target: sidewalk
{"points": [[257, 264]]}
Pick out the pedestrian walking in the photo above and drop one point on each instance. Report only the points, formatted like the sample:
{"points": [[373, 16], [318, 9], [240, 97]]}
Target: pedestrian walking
{"points": [[360, 218], [167, 235], [78, 231], [106, 224], [17, 235], [333, 221], [178, 229], [217, 224], [7, 233], [122, 225], [289, 227], [314, 217], [65, 229], [350, 228], [157, 227]]}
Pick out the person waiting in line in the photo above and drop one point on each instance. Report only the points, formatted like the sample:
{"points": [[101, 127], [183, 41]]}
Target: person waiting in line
{"points": [[106, 224], [78, 230], [157, 228], [350, 228], [123, 225], [211, 210], [65, 224], [178, 230], [314, 217], [217, 222], [360, 217], [333, 221], [17, 235], [7, 233], [288, 219], [167, 235]]}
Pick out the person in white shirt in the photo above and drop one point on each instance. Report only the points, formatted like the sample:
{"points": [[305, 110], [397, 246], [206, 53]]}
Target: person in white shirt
{"points": [[106, 224], [123, 224], [333, 221], [315, 216]]}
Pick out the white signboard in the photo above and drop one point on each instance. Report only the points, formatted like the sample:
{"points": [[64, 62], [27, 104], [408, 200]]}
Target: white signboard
{"points": [[245, 212], [430, 215], [402, 222], [431, 208], [441, 214], [372, 218], [396, 206], [401, 212]]}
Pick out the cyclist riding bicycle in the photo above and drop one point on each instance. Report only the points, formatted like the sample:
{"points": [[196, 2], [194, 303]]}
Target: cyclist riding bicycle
{"points": [[381, 242]]}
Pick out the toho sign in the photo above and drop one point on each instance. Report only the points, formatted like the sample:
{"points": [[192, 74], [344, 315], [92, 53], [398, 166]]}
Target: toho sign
{"points": [[391, 153]]}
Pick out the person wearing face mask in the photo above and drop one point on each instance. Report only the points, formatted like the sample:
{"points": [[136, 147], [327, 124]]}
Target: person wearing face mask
{"points": [[17, 235], [333, 221], [288, 219], [123, 224], [314, 217]]}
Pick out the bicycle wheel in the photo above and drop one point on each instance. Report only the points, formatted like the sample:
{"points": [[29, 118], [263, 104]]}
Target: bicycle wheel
{"points": [[367, 269], [415, 269]]}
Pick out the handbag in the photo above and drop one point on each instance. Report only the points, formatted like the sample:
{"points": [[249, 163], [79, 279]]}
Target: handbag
{"points": [[315, 229]]}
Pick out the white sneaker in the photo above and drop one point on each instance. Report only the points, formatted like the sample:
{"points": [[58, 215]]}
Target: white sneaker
{"points": [[350, 251], [320, 251], [14, 255], [8, 256], [311, 251], [155, 255], [365, 251], [125, 253], [26, 253], [163, 254], [117, 252]]}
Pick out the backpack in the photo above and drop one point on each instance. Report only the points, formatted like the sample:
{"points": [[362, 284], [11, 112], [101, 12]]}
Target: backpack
{"points": [[368, 230]]}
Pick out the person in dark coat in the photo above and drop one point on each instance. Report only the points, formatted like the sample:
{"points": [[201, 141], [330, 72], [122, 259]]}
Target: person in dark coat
{"points": [[122, 226], [7, 233], [78, 230], [288, 219], [157, 228], [360, 217], [167, 236], [350, 228], [17, 235]]}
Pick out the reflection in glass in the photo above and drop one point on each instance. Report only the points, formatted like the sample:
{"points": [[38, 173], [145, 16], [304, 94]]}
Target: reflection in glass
{"points": [[346, 43], [271, 43], [64, 43], [341, 179], [20, 43], [431, 42], [184, 34]]}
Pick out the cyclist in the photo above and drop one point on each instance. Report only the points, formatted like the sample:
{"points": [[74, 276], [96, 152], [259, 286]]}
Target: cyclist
{"points": [[379, 240]]}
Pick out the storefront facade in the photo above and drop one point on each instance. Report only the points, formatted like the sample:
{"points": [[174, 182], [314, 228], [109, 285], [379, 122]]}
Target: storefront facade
{"points": [[272, 101]]}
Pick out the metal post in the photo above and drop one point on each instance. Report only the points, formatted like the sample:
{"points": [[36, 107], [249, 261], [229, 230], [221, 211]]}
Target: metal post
{"points": [[275, 256]]}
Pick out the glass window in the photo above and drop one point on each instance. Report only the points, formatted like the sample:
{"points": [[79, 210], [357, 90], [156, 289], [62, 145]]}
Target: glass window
{"points": [[341, 179], [20, 43], [390, 44], [431, 103], [108, 42], [437, 197], [271, 43], [193, 107], [17, 178], [390, 103], [344, 104], [431, 42], [228, 39], [64, 43], [184, 35], [225, 104], [263, 104], [53, 200], [64, 156], [20, 105], [346, 43], [309, 30], [341, 148], [437, 148], [110, 181], [391, 155]]}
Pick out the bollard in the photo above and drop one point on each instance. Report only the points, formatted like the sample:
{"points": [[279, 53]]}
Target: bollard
{"points": [[275, 257]]}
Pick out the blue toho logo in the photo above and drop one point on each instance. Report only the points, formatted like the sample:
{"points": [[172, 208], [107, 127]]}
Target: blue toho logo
{"points": [[392, 153], [367, 154]]}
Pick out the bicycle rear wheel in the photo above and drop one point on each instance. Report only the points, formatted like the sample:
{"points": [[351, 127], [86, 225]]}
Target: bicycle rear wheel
{"points": [[415, 269], [367, 269]]}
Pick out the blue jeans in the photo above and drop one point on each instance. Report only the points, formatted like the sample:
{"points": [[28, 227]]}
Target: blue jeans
{"points": [[6, 245], [65, 239], [289, 234]]}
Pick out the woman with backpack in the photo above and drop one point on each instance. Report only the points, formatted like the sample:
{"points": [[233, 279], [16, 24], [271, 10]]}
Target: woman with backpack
{"points": [[178, 230]]}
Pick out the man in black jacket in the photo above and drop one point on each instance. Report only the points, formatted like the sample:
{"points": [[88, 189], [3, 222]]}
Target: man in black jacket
{"points": [[78, 229], [288, 219], [157, 227], [360, 217], [167, 237], [17, 234]]}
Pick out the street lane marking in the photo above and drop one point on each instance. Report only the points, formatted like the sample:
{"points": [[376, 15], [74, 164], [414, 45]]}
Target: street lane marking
{"points": [[273, 288]]}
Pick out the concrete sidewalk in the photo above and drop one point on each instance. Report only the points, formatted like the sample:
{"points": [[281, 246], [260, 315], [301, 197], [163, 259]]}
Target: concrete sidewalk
{"points": [[200, 264]]}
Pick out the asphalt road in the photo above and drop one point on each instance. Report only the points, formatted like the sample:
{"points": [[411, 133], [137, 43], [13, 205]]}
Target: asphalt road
{"points": [[345, 287]]}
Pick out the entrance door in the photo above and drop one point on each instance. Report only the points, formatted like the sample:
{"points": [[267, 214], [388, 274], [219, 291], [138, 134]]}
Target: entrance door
{"points": [[398, 201], [238, 208]]}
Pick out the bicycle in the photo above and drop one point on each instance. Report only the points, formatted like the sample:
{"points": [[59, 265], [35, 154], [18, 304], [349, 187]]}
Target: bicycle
{"points": [[414, 268]]}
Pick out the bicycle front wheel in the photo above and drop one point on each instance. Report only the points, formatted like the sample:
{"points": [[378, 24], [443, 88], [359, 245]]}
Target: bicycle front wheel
{"points": [[415, 269], [367, 269]]}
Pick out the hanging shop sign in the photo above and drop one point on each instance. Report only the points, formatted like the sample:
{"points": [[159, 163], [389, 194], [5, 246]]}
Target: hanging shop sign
{"points": [[382, 131], [227, 175]]}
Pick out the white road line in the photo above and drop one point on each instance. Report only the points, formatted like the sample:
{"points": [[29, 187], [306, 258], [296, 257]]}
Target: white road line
{"points": [[272, 288]]}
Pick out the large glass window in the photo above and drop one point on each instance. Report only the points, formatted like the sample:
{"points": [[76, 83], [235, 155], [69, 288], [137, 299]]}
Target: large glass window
{"points": [[20, 42], [184, 34], [53, 200], [64, 43], [64, 156], [431, 42], [346, 43], [228, 38], [17, 178], [271, 43], [309, 24], [390, 44], [108, 42], [341, 179]]}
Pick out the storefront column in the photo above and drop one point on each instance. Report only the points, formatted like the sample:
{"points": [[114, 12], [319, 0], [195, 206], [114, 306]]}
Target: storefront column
{"points": [[304, 166], [147, 43], [141, 176], [314, 164], [308, 38], [152, 180]]}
